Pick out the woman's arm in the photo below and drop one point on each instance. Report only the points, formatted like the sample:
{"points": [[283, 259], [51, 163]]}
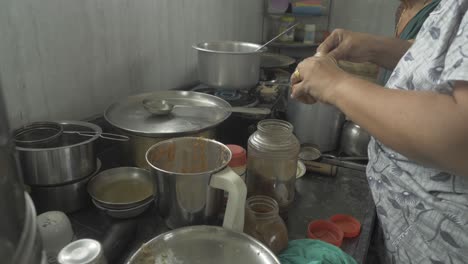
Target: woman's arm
{"points": [[361, 47], [427, 127]]}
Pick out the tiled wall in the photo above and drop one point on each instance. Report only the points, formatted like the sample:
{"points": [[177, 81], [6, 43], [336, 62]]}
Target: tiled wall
{"points": [[371, 16]]}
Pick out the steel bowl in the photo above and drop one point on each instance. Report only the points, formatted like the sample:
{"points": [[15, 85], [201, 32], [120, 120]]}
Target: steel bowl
{"points": [[203, 244], [64, 160], [67, 198], [228, 64], [125, 213], [354, 140], [122, 188]]}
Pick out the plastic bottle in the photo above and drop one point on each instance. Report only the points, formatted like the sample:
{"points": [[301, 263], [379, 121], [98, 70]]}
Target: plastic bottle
{"points": [[309, 33], [287, 22]]}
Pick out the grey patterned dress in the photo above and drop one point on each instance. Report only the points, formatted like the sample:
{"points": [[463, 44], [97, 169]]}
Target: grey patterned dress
{"points": [[424, 211]]}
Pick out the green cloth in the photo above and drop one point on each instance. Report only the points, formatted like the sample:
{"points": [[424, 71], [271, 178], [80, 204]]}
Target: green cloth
{"points": [[311, 251], [411, 31]]}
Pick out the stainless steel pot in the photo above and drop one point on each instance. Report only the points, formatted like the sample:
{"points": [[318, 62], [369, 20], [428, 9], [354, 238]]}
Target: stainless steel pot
{"points": [[65, 160], [354, 140], [191, 175], [67, 198], [144, 129], [228, 64], [318, 124], [12, 199], [203, 244]]}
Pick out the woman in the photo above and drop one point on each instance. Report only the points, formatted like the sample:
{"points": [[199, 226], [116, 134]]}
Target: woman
{"points": [[418, 157], [410, 16]]}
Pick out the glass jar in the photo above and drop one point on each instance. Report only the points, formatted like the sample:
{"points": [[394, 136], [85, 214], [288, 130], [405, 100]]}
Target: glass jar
{"points": [[287, 22], [262, 221], [272, 162]]}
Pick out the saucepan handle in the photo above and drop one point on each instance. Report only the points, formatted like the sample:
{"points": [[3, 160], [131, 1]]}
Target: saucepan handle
{"points": [[230, 182]]}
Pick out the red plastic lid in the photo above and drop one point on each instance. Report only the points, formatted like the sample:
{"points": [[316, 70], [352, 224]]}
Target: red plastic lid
{"points": [[239, 156], [326, 231], [351, 226]]}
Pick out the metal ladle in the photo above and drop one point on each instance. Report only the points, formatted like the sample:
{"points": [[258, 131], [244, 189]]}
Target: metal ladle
{"points": [[277, 36], [163, 107]]}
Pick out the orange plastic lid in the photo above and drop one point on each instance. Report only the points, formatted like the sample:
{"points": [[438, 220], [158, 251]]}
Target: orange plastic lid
{"points": [[239, 156], [351, 226], [326, 231]]}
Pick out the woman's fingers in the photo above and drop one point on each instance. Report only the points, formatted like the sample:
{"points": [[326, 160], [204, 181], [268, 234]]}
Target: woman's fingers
{"points": [[334, 46], [299, 93]]}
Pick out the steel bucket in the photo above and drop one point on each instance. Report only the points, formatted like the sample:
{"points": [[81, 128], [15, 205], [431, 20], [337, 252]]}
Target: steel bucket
{"points": [[191, 175], [319, 124]]}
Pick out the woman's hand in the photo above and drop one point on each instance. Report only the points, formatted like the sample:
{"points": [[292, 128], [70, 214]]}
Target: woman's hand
{"points": [[349, 46], [315, 79], [360, 47]]}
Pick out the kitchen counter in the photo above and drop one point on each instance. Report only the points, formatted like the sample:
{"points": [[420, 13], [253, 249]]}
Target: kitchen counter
{"points": [[320, 197], [317, 197]]}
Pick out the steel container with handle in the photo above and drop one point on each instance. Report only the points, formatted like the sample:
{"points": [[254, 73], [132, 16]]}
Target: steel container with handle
{"points": [[229, 64], [66, 160], [191, 175]]}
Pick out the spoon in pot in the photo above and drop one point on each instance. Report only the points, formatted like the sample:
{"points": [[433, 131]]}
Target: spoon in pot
{"points": [[277, 36], [163, 107]]}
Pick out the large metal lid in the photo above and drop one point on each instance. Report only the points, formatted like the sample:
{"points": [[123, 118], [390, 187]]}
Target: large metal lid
{"points": [[130, 115]]}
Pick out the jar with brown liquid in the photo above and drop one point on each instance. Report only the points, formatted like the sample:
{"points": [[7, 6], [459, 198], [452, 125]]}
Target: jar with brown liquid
{"points": [[272, 162], [262, 221]]}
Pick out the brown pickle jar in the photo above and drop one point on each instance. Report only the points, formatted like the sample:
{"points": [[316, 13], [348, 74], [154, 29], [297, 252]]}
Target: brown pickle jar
{"points": [[262, 221], [272, 162]]}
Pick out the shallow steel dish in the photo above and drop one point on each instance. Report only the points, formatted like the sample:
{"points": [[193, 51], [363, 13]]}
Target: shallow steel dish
{"points": [[107, 188], [125, 213]]}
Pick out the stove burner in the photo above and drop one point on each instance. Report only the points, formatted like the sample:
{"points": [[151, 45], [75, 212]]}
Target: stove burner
{"points": [[234, 97], [228, 95]]}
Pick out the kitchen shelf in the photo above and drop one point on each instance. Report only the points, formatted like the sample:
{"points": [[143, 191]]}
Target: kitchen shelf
{"points": [[293, 45], [297, 15]]}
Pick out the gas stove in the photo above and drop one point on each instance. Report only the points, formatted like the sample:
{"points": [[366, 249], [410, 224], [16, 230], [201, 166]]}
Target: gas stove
{"points": [[238, 127]]}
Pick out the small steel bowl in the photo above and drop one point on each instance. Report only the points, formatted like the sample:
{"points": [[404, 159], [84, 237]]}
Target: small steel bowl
{"points": [[122, 188], [124, 213]]}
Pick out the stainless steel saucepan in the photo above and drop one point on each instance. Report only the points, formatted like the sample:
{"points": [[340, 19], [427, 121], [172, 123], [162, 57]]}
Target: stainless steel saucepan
{"points": [[229, 64]]}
